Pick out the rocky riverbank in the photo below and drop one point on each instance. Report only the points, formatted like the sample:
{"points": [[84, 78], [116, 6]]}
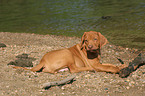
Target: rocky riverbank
{"points": [[19, 82]]}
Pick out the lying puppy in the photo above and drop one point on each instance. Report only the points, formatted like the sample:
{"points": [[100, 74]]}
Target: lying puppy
{"points": [[81, 57]]}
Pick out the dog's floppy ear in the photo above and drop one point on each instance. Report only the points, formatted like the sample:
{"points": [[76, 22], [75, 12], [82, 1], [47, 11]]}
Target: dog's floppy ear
{"points": [[83, 40], [103, 40]]}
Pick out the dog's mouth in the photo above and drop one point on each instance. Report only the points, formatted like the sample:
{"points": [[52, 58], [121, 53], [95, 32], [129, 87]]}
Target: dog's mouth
{"points": [[92, 50]]}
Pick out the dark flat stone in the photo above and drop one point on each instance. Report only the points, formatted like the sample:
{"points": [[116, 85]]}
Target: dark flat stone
{"points": [[23, 61], [2, 45]]}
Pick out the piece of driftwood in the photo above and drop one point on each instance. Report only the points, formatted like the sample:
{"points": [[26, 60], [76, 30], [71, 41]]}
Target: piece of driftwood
{"points": [[138, 61], [58, 83]]}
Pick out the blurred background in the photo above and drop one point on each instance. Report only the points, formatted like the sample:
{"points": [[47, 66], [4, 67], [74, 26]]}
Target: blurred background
{"points": [[121, 21]]}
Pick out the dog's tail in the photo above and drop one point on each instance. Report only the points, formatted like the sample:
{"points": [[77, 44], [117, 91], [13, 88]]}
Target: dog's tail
{"points": [[38, 68], [17, 67], [34, 69]]}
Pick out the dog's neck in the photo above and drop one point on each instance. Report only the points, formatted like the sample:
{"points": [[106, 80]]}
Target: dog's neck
{"points": [[93, 55], [89, 55]]}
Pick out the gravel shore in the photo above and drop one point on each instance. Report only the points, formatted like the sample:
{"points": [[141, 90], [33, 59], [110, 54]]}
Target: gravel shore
{"points": [[19, 82]]}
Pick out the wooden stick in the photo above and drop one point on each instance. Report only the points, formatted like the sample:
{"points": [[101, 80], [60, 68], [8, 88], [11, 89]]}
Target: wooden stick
{"points": [[139, 60], [56, 83]]}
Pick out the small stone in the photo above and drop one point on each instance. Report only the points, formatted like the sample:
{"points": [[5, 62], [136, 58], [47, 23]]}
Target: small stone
{"points": [[88, 75], [127, 48], [117, 53], [143, 80], [132, 82], [62, 93], [2, 45], [127, 80], [127, 87], [7, 86], [62, 88], [106, 88]]}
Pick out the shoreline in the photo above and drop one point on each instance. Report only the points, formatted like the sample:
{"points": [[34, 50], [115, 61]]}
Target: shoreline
{"points": [[63, 36]]}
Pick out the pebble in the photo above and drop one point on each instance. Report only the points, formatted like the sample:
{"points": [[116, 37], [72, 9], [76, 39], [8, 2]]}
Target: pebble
{"points": [[143, 80], [2, 45], [127, 87], [62, 88], [117, 53], [88, 75], [106, 88], [127, 48]]}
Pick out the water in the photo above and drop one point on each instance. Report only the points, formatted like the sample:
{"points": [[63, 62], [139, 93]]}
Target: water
{"points": [[122, 22]]}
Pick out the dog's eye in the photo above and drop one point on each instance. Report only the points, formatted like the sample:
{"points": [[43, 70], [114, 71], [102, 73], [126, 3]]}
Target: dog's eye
{"points": [[86, 40], [95, 39]]}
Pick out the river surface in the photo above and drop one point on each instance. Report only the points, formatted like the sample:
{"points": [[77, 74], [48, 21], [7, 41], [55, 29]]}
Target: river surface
{"points": [[121, 21]]}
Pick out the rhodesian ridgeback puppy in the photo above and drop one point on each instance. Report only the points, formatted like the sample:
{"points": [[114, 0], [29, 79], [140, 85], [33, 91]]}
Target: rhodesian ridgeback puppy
{"points": [[81, 57]]}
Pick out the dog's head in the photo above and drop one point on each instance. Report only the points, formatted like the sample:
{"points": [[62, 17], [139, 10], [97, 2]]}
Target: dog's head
{"points": [[92, 41]]}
